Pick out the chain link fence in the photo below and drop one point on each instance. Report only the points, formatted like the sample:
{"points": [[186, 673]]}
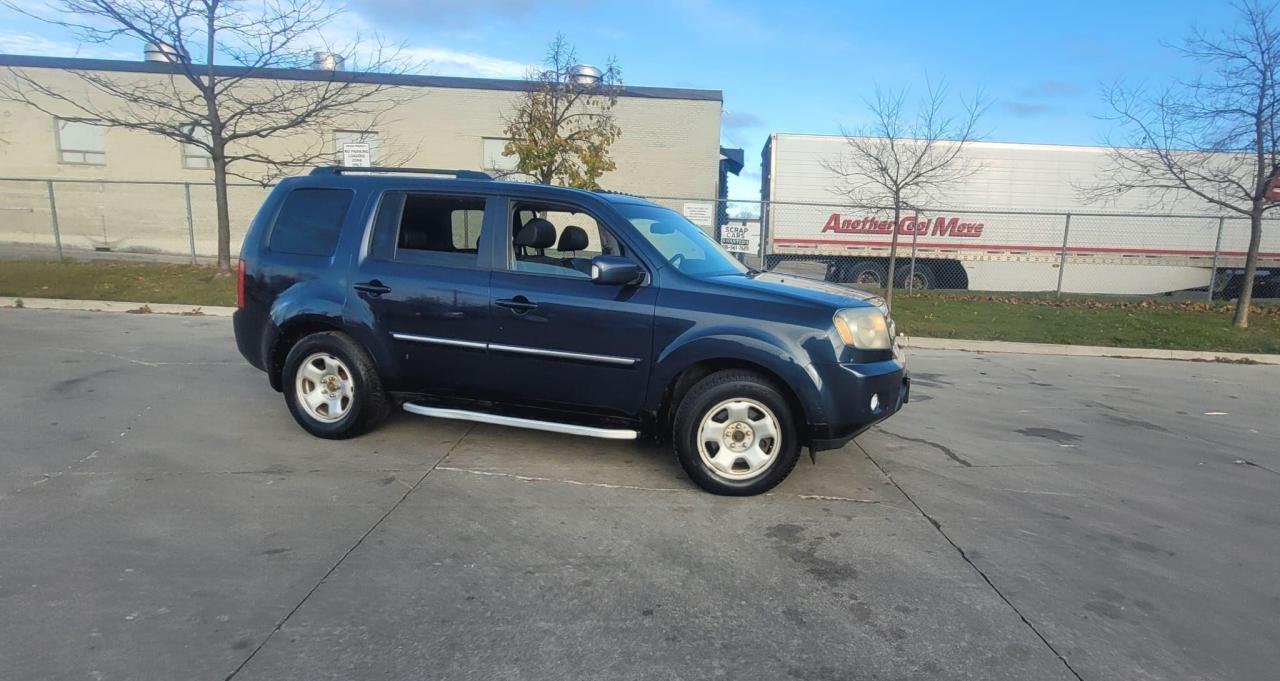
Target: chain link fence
{"points": [[119, 218], [1035, 253], [1085, 253]]}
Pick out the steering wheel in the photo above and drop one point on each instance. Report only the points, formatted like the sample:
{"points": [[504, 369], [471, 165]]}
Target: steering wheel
{"points": [[677, 260]]}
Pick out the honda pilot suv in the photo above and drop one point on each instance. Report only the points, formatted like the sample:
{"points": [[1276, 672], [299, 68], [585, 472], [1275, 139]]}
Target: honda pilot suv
{"points": [[452, 295]]}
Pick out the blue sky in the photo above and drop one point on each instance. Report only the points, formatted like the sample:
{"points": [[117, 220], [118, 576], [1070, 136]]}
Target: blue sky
{"points": [[794, 67]]}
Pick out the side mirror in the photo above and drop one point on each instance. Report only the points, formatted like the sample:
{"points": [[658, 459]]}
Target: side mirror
{"points": [[615, 270]]}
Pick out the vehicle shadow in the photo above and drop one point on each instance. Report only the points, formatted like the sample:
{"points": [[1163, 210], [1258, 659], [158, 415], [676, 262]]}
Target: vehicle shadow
{"points": [[844, 474]]}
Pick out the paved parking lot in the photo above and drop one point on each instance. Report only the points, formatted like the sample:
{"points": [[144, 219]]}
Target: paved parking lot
{"points": [[161, 517]]}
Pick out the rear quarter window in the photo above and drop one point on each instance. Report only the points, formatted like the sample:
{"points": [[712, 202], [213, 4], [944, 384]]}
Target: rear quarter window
{"points": [[310, 221]]}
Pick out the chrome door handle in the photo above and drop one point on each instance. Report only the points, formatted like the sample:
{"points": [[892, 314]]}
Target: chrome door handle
{"points": [[518, 305], [373, 288]]}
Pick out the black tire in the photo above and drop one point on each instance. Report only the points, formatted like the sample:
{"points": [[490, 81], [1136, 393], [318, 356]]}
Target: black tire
{"points": [[1268, 288], [707, 394], [924, 279], [369, 404], [864, 273]]}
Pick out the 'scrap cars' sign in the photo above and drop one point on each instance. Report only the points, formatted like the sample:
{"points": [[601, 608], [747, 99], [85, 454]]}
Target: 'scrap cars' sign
{"points": [[740, 236]]}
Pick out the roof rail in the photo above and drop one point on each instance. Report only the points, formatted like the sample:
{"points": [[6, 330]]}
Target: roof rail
{"points": [[618, 193], [460, 174]]}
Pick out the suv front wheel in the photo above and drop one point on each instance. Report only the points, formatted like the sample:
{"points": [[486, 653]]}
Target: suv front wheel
{"points": [[332, 387], [734, 434]]}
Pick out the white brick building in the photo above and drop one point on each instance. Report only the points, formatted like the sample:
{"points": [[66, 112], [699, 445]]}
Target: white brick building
{"points": [[669, 147]]}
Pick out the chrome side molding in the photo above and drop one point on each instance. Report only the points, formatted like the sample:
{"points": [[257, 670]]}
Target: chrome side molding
{"points": [[563, 354], [517, 349], [433, 340], [514, 422]]}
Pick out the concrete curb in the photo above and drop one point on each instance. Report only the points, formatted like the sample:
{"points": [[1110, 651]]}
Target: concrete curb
{"points": [[916, 343], [909, 342], [116, 306]]}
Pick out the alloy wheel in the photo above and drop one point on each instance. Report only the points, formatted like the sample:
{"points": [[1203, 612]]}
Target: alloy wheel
{"points": [[739, 439]]}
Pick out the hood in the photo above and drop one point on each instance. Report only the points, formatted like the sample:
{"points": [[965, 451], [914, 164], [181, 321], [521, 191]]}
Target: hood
{"points": [[801, 288]]}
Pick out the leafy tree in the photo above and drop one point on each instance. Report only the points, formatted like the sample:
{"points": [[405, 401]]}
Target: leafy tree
{"points": [[563, 125], [227, 111]]}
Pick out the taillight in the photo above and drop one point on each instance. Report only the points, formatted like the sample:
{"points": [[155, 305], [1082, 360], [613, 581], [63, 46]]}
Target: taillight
{"points": [[240, 285]]}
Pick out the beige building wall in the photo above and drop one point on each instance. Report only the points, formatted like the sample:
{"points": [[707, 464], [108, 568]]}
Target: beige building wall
{"points": [[668, 147]]}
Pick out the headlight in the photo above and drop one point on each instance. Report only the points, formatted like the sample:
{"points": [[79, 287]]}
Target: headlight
{"points": [[882, 306], [865, 328]]}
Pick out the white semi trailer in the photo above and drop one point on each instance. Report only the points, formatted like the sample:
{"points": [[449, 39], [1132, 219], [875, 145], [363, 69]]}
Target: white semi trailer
{"points": [[1017, 223]]}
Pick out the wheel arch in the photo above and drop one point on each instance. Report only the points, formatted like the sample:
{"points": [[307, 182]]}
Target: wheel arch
{"points": [[288, 335], [689, 376], [685, 364]]}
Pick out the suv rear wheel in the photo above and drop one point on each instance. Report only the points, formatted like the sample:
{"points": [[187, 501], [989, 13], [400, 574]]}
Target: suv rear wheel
{"points": [[332, 388], [734, 434]]}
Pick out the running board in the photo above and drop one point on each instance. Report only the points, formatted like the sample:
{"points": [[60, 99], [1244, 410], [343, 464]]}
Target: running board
{"points": [[531, 424]]}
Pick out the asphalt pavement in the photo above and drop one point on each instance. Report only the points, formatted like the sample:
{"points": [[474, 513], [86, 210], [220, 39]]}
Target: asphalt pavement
{"points": [[1026, 517]]}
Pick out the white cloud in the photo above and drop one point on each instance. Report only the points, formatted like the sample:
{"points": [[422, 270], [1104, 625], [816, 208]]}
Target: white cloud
{"points": [[15, 42], [445, 62], [354, 28], [428, 59]]}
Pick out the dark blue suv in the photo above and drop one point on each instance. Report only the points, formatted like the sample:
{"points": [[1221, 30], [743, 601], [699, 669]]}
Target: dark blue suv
{"points": [[456, 296]]}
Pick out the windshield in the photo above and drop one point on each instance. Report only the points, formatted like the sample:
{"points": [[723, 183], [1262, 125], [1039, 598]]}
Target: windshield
{"points": [[684, 246]]}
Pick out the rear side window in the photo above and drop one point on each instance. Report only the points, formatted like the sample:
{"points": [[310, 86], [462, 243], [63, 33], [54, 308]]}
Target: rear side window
{"points": [[309, 222], [428, 229]]}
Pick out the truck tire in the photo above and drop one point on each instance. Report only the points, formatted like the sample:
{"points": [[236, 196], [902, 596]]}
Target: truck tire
{"points": [[864, 273], [735, 435], [923, 278], [332, 387], [1268, 288]]}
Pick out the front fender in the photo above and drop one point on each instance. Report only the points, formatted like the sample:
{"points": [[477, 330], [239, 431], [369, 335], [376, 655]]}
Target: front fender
{"points": [[749, 346]]}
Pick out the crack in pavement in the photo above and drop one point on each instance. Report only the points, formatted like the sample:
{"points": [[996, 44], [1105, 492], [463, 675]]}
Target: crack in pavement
{"points": [[1258, 465], [258, 471], [1041, 492], [334, 568], [607, 485], [534, 478], [122, 358], [69, 470], [146, 363], [942, 448], [965, 557]]}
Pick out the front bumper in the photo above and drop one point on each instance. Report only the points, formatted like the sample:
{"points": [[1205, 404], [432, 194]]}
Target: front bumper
{"points": [[856, 397]]}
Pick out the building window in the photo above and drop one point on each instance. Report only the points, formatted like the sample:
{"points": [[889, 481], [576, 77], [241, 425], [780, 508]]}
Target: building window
{"points": [[81, 142], [493, 158], [193, 155], [341, 138]]}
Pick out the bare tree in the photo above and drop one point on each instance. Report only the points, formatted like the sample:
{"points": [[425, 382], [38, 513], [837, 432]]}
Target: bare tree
{"points": [[1214, 138], [563, 126], [904, 156], [226, 110]]}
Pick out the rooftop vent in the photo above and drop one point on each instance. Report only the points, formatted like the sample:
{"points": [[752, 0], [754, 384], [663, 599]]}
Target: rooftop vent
{"points": [[585, 74], [163, 52], [327, 61]]}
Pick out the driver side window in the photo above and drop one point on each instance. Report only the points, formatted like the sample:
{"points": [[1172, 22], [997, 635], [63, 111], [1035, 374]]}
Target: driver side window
{"points": [[558, 241]]}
